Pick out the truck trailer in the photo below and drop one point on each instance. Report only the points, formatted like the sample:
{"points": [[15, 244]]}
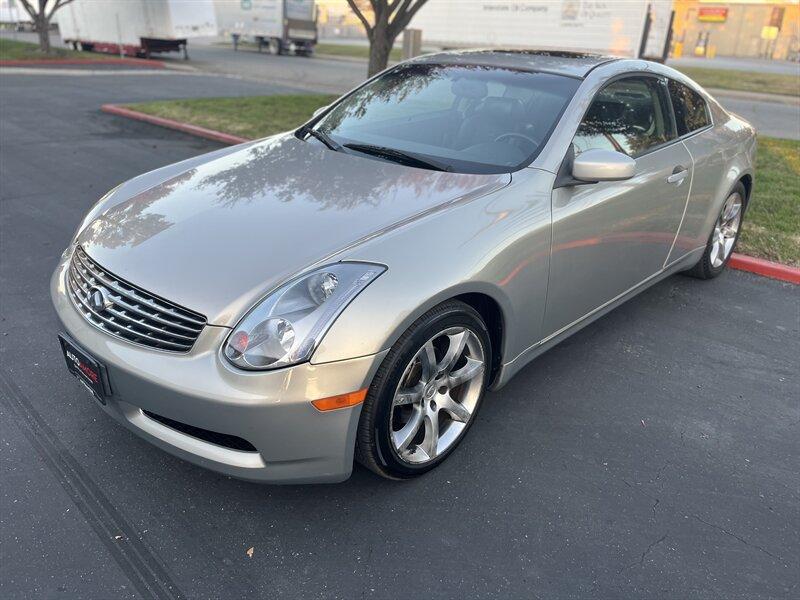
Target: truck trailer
{"points": [[280, 26], [630, 28], [135, 27]]}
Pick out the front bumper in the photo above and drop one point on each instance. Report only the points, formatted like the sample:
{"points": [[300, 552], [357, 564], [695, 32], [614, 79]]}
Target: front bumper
{"points": [[294, 442]]}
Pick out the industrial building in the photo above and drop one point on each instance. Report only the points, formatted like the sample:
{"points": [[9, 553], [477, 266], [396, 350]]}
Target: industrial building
{"points": [[746, 29]]}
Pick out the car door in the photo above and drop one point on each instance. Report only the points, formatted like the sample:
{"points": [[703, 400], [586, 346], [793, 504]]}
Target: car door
{"points": [[608, 237], [710, 155]]}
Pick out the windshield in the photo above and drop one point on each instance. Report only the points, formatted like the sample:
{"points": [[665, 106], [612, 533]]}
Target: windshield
{"points": [[467, 119]]}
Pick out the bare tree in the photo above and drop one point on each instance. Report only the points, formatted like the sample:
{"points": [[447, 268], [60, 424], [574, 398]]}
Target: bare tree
{"points": [[390, 17], [41, 17]]}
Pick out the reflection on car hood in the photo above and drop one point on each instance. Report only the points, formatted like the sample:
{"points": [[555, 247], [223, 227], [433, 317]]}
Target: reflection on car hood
{"points": [[217, 236]]}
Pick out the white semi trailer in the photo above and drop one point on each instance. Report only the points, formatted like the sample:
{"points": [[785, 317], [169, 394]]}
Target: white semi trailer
{"points": [[135, 27], [629, 28], [279, 25], [12, 13]]}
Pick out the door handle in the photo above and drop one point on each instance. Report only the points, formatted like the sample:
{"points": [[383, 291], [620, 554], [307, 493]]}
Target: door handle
{"points": [[679, 173]]}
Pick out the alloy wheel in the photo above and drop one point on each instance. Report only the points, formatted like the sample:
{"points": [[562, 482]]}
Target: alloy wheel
{"points": [[437, 395], [726, 230]]}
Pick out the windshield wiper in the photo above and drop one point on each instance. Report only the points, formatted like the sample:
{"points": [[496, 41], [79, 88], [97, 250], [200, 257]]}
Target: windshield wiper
{"points": [[322, 137], [399, 156]]}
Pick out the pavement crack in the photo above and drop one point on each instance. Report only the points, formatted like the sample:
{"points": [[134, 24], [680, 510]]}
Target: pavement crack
{"points": [[733, 535], [661, 470], [647, 551]]}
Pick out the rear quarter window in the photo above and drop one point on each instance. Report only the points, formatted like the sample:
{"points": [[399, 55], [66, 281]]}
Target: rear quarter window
{"points": [[691, 110]]}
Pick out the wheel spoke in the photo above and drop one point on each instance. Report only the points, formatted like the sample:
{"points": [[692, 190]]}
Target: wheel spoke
{"points": [[728, 247], [454, 350], [457, 411], [713, 258], [412, 395], [469, 371], [430, 444], [427, 357], [403, 437], [732, 212], [716, 247]]}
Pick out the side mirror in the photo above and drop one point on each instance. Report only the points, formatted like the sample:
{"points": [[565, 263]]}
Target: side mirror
{"points": [[320, 110], [603, 165]]}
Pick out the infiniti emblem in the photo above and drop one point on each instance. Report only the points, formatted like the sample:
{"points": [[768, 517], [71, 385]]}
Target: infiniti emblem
{"points": [[99, 299]]}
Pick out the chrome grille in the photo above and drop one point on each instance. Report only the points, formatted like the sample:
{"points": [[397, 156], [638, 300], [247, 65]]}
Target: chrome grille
{"points": [[128, 312]]}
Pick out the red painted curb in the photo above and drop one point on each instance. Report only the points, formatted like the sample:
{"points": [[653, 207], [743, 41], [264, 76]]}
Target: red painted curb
{"points": [[139, 62], [740, 262], [765, 268], [202, 132]]}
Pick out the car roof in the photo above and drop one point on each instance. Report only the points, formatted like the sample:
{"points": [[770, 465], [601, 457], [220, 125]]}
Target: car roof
{"points": [[570, 64]]}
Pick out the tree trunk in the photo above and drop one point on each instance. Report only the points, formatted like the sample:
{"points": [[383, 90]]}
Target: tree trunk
{"points": [[379, 49], [43, 28]]}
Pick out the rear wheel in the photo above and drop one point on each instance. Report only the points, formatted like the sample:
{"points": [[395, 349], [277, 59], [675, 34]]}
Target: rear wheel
{"points": [[426, 393], [724, 237], [275, 46]]}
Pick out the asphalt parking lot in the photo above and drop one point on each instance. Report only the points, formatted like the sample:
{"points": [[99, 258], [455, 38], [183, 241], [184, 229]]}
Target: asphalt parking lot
{"points": [[653, 454]]}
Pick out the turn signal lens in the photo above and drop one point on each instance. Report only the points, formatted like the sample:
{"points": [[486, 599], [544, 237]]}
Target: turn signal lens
{"points": [[341, 401]]}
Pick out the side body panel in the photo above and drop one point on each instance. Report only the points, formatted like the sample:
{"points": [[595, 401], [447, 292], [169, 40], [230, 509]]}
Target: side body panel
{"points": [[722, 155], [610, 236]]}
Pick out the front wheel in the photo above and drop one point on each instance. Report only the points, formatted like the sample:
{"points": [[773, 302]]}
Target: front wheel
{"points": [[724, 237], [426, 393]]}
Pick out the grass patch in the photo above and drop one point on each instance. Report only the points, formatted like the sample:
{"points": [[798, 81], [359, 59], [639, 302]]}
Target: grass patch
{"points": [[771, 229], [250, 117], [772, 223], [745, 81], [353, 51], [15, 50]]}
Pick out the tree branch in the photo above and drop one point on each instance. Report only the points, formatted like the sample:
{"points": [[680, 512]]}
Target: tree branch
{"points": [[58, 4], [402, 19], [401, 6], [28, 8], [361, 17]]}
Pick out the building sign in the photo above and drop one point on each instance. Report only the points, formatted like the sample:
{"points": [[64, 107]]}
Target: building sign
{"points": [[769, 33], [712, 14]]}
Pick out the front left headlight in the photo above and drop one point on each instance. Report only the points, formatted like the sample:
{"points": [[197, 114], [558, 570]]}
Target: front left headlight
{"points": [[285, 327]]}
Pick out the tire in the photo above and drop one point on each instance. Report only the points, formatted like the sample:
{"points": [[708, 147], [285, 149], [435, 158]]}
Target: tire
{"points": [[709, 265], [276, 47], [384, 411]]}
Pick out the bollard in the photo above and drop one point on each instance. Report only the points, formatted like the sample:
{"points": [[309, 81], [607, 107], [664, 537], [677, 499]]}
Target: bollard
{"points": [[412, 43]]}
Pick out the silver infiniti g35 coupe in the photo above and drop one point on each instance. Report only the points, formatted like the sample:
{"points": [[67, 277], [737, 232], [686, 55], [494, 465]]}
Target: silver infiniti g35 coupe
{"points": [[349, 290]]}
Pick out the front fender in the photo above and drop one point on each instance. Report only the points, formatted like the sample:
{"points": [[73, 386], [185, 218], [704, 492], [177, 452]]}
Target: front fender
{"points": [[497, 245]]}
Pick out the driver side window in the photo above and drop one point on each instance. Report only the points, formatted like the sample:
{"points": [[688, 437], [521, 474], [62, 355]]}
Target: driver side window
{"points": [[629, 115]]}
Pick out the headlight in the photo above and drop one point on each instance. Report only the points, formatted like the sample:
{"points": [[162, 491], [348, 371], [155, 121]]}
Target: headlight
{"points": [[286, 326]]}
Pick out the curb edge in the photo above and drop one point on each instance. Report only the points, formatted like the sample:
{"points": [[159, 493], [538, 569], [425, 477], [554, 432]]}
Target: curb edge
{"points": [[765, 268], [155, 64], [209, 134]]}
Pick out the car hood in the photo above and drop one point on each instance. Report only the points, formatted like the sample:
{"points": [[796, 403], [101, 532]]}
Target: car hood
{"points": [[218, 235]]}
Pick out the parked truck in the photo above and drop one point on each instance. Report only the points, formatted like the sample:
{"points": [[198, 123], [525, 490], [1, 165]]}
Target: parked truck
{"points": [[280, 26], [631, 28], [13, 16], [135, 27]]}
